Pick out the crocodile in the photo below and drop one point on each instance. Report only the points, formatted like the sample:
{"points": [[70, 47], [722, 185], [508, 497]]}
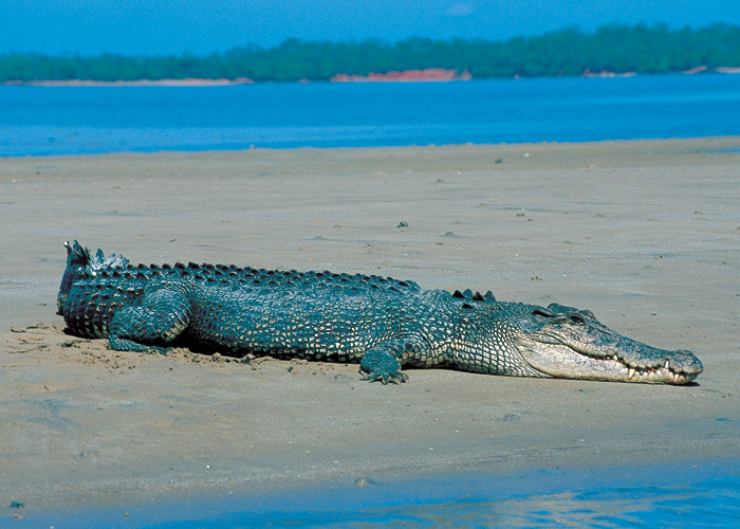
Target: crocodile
{"points": [[383, 323]]}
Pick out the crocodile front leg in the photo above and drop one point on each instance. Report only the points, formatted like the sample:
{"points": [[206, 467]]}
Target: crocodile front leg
{"points": [[161, 317], [383, 362]]}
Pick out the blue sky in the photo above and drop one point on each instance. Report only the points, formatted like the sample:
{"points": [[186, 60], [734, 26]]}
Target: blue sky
{"points": [[202, 26]]}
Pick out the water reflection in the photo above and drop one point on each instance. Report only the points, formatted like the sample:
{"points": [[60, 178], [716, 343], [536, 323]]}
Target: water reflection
{"points": [[712, 504], [698, 497]]}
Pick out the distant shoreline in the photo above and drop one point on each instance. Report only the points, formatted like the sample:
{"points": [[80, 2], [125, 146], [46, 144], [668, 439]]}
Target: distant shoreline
{"points": [[429, 75], [611, 50], [395, 76], [138, 82]]}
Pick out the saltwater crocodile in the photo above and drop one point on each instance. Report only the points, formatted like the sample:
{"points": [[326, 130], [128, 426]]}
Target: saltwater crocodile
{"points": [[382, 323]]}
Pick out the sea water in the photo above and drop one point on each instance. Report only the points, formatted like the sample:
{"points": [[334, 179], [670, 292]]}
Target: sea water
{"points": [[679, 495], [79, 120]]}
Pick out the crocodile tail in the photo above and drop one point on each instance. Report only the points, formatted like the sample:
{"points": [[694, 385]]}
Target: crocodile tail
{"points": [[100, 261], [80, 262], [78, 255], [78, 259]]}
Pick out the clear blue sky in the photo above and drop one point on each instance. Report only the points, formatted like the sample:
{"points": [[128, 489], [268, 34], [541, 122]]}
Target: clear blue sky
{"points": [[201, 26]]}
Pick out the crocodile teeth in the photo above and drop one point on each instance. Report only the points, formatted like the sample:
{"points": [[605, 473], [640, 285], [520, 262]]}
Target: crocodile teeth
{"points": [[666, 364], [615, 357], [630, 373]]}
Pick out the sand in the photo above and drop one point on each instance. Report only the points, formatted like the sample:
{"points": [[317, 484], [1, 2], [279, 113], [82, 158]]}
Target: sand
{"points": [[645, 234]]}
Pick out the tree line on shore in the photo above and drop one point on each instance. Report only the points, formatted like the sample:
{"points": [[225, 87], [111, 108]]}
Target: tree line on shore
{"points": [[568, 52]]}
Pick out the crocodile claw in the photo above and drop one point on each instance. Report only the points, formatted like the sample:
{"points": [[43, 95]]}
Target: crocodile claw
{"points": [[157, 349], [381, 366], [385, 378]]}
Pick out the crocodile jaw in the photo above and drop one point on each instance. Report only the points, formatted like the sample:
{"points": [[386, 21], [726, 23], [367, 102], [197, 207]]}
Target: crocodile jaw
{"points": [[561, 360]]}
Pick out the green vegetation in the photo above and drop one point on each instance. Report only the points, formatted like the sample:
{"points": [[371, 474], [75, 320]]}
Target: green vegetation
{"points": [[617, 48]]}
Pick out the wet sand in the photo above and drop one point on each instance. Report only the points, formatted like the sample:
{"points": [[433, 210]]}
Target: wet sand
{"points": [[645, 234]]}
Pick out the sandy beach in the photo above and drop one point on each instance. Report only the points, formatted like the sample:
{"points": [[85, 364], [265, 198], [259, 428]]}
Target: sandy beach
{"points": [[646, 234]]}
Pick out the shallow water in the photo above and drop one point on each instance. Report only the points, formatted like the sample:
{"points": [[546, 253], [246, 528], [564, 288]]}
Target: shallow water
{"points": [[703, 495], [74, 120]]}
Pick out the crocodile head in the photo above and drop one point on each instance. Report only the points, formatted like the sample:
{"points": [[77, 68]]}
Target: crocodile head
{"points": [[564, 342], [81, 262]]}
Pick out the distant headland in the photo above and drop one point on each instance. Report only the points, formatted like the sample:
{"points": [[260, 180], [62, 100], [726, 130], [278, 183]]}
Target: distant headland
{"points": [[187, 81], [610, 51]]}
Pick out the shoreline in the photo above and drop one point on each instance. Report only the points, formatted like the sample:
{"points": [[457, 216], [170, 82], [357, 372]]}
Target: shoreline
{"points": [[427, 75], [644, 233], [186, 82], [386, 492], [710, 142]]}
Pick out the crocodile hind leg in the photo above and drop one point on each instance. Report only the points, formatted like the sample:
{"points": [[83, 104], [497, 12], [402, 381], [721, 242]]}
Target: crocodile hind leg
{"points": [[383, 362], [161, 317]]}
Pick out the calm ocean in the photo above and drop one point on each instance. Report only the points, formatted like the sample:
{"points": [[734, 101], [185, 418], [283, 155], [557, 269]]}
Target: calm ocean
{"points": [[682, 495], [47, 121]]}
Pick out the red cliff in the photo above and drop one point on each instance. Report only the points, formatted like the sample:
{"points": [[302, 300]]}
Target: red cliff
{"points": [[428, 75]]}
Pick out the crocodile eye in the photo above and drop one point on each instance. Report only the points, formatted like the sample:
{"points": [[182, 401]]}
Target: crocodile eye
{"points": [[539, 311], [577, 318]]}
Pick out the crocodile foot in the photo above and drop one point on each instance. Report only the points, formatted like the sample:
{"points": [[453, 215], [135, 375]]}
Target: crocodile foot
{"points": [[380, 365], [116, 343]]}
